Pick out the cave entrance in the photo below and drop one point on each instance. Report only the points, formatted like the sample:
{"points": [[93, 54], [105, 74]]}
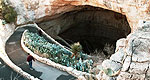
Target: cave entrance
{"points": [[95, 28]]}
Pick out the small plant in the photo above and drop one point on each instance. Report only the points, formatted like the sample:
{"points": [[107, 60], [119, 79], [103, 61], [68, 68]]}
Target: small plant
{"points": [[108, 71], [8, 13], [76, 48], [3, 22]]}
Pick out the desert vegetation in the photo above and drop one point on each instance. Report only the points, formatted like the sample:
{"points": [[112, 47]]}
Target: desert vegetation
{"points": [[8, 12], [54, 52], [77, 59]]}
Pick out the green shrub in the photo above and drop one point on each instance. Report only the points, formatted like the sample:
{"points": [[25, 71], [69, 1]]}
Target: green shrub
{"points": [[76, 48], [8, 13]]}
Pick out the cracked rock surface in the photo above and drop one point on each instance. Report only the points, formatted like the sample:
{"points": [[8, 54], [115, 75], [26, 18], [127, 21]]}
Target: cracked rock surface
{"points": [[39, 10], [133, 57]]}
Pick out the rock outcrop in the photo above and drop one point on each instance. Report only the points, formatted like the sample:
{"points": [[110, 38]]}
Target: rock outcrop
{"points": [[131, 59], [31, 10]]}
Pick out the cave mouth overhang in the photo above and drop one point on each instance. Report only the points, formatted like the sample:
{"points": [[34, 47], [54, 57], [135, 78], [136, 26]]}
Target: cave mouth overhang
{"points": [[93, 27]]}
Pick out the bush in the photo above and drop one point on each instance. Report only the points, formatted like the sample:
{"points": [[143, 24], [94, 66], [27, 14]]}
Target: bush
{"points": [[8, 13], [76, 48]]}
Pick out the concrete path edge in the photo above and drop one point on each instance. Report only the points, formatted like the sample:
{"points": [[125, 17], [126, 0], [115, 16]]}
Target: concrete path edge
{"points": [[6, 59]]}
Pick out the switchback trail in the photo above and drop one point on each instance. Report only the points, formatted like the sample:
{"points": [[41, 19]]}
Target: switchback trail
{"points": [[18, 56]]}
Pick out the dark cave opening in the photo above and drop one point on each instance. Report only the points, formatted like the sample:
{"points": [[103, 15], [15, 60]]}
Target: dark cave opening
{"points": [[93, 27]]}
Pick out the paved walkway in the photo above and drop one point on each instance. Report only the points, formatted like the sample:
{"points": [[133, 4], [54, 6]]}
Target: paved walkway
{"points": [[18, 56], [6, 73]]}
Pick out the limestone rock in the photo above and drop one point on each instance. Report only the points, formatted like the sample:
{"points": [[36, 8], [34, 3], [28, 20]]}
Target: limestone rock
{"points": [[120, 44], [138, 68], [111, 64], [126, 63], [148, 73], [144, 26], [118, 56], [136, 51], [81, 78], [128, 76], [32, 10]]}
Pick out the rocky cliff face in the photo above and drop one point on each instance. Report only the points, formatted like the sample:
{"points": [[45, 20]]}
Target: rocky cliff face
{"points": [[131, 59], [31, 10]]}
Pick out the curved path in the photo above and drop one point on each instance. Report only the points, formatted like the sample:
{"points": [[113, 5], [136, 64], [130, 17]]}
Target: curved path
{"points": [[18, 56], [6, 73]]}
